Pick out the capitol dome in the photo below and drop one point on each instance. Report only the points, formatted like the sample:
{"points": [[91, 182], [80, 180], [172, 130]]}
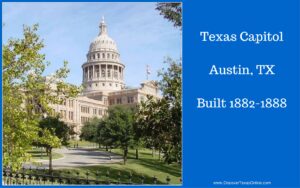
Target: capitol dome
{"points": [[103, 70], [103, 41]]}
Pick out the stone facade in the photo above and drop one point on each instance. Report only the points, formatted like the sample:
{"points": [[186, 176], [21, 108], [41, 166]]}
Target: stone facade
{"points": [[103, 81]]}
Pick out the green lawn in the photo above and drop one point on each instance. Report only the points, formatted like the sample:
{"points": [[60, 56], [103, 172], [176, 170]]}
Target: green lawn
{"points": [[40, 154], [146, 166], [81, 143]]}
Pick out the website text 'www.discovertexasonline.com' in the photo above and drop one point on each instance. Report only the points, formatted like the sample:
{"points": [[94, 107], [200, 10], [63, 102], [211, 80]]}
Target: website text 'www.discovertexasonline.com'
{"points": [[242, 183]]}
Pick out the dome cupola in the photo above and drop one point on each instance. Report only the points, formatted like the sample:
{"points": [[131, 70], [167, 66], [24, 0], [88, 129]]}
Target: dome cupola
{"points": [[103, 70], [103, 41]]}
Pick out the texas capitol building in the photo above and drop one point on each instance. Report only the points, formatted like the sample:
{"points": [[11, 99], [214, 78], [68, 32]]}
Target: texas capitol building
{"points": [[103, 80]]}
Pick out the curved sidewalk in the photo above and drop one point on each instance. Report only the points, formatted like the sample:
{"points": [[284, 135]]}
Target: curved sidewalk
{"points": [[75, 157]]}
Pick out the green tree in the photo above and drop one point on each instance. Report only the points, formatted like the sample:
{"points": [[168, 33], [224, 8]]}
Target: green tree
{"points": [[89, 130], [171, 87], [27, 94], [58, 127], [48, 140], [104, 134], [153, 123], [172, 12], [119, 124], [159, 120], [138, 135], [53, 133]]}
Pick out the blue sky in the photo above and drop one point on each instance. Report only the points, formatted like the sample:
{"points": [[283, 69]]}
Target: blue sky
{"points": [[142, 35]]}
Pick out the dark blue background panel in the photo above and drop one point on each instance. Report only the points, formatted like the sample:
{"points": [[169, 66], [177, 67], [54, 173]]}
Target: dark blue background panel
{"points": [[246, 145]]}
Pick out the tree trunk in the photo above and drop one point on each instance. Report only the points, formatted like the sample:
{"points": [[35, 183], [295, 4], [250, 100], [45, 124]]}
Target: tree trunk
{"points": [[137, 153], [41, 154], [152, 152], [50, 160], [159, 154], [47, 151], [125, 155], [106, 147]]}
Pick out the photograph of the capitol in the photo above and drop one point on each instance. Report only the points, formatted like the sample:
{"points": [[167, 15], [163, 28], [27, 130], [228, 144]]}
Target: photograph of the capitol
{"points": [[88, 99], [103, 82]]}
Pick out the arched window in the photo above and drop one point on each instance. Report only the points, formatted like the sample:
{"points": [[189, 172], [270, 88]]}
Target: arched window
{"points": [[103, 55], [93, 56], [98, 55], [108, 56]]}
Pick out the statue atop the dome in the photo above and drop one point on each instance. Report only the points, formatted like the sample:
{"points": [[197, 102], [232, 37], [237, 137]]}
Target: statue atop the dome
{"points": [[103, 28]]}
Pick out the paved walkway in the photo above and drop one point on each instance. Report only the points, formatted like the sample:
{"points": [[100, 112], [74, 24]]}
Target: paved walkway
{"points": [[75, 157]]}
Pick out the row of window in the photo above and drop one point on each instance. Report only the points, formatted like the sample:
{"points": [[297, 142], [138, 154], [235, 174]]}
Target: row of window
{"points": [[63, 115], [85, 119], [101, 66], [70, 114], [130, 99], [103, 84], [86, 110], [115, 75], [103, 56], [69, 102]]}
